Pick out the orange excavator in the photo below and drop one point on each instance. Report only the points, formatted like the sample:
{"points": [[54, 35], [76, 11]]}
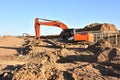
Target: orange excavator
{"points": [[66, 34]]}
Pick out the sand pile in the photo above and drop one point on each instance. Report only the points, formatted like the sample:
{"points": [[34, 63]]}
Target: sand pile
{"points": [[105, 27]]}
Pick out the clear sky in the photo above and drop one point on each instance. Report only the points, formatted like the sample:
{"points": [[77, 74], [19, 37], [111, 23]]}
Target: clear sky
{"points": [[17, 16]]}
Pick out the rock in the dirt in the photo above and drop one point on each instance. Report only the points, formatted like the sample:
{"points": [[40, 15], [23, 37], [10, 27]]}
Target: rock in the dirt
{"points": [[5, 74]]}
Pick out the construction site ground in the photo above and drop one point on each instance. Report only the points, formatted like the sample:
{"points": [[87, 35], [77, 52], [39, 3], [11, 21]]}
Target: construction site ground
{"points": [[54, 63]]}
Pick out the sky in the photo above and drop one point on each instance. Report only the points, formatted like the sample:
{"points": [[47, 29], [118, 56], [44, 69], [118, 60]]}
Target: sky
{"points": [[17, 16]]}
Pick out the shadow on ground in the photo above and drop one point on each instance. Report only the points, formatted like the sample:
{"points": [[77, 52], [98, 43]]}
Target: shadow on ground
{"points": [[7, 73], [108, 69], [20, 50]]}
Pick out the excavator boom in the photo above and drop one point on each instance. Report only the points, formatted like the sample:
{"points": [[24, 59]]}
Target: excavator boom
{"points": [[47, 22]]}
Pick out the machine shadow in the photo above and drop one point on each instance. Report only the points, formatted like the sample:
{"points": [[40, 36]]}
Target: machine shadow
{"points": [[15, 48], [7, 70], [74, 58]]}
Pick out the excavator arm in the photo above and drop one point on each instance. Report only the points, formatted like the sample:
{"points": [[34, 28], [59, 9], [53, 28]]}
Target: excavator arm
{"points": [[47, 22]]}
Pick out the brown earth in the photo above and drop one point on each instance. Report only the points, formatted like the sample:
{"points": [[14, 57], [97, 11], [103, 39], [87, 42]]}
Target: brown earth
{"points": [[105, 27], [105, 52], [9, 49], [53, 63]]}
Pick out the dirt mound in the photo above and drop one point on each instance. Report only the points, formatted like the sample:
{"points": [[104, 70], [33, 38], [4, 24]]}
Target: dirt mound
{"points": [[100, 46], [86, 73], [104, 52], [27, 72], [41, 66], [105, 27], [94, 72], [43, 57], [34, 71]]}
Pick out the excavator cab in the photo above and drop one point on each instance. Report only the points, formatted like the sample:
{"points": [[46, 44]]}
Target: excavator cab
{"points": [[67, 34], [70, 35]]}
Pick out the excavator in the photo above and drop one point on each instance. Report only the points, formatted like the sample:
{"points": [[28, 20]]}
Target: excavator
{"points": [[66, 35], [68, 38]]}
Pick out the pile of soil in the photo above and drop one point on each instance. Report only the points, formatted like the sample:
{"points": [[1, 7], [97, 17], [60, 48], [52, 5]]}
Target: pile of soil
{"points": [[80, 73], [109, 56], [89, 72], [42, 65], [32, 71], [105, 27], [105, 52], [100, 46]]}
